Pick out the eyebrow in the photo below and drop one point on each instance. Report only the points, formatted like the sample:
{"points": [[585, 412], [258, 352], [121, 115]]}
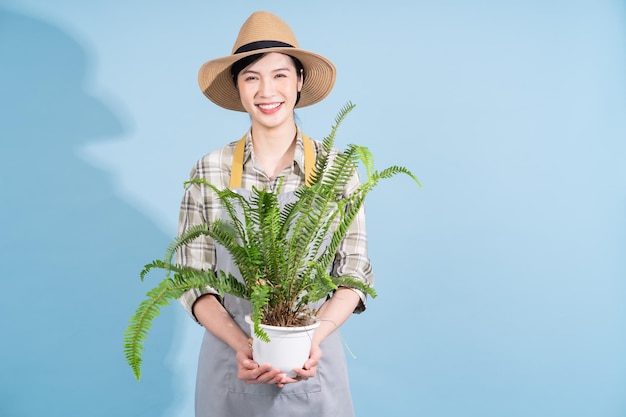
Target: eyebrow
{"points": [[257, 72]]}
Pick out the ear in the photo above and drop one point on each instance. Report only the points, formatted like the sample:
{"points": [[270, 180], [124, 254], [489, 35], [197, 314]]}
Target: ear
{"points": [[300, 81]]}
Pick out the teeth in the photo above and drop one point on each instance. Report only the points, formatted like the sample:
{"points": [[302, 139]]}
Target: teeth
{"points": [[269, 106]]}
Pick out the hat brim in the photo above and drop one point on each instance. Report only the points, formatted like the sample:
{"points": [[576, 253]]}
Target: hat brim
{"points": [[217, 84]]}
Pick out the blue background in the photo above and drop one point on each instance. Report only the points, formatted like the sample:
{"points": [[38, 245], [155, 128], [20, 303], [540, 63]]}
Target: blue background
{"points": [[501, 284]]}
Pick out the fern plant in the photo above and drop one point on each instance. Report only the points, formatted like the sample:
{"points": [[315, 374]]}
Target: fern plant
{"points": [[283, 253]]}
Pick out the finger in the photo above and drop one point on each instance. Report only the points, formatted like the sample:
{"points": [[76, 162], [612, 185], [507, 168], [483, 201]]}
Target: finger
{"points": [[250, 365], [287, 380], [251, 373], [269, 376], [305, 374]]}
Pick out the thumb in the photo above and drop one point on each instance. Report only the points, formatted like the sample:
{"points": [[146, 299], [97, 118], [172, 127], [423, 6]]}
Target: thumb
{"points": [[310, 363]]}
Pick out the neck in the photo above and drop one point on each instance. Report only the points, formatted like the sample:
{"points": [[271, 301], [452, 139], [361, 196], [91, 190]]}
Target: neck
{"points": [[274, 148]]}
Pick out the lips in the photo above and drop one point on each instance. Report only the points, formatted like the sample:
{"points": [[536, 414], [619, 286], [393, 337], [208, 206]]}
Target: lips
{"points": [[269, 108]]}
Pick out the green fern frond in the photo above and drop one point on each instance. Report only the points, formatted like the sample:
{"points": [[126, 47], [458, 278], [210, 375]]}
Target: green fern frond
{"points": [[351, 282], [141, 322], [269, 227], [367, 159], [191, 234], [259, 299], [161, 264], [318, 286], [393, 170], [225, 234], [343, 112], [229, 284], [328, 144], [342, 170], [227, 198]]}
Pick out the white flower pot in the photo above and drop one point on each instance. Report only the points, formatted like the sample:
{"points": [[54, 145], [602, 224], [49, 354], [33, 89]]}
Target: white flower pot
{"points": [[288, 348]]}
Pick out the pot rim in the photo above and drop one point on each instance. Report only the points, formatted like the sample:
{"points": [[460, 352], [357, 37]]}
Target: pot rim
{"points": [[248, 319]]}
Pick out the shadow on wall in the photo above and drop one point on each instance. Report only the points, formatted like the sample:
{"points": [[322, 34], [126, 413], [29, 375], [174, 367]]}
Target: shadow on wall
{"points": [[71, 249]]}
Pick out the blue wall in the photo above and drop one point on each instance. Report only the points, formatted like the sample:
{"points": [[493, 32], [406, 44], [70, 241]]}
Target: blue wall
{"points": [[502, 284], [71, 247]]}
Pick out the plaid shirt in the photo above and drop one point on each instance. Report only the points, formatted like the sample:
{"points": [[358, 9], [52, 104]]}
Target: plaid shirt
{"points": [[199, 206]]}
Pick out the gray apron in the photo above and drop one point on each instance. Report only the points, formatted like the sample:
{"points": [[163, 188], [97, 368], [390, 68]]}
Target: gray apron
{"points": [[219, 393]]}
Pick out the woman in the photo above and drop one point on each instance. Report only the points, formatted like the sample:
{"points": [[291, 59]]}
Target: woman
{"points": [[267, 75]]}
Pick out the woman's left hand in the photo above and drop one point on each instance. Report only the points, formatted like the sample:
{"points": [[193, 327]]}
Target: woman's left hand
{"points": [[309, 370]]}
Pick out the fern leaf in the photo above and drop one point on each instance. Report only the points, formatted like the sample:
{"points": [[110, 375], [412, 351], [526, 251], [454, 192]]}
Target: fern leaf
{"points": [[259, 299], [393, 170], [191, 234], [141, 322]]}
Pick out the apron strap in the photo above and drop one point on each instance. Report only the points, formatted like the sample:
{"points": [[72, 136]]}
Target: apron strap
{"points": [[237, 164], [309, 159], [236, 168]]}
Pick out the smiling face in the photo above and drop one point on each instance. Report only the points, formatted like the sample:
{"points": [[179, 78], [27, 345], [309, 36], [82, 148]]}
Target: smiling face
{"points": [[268, 89]]}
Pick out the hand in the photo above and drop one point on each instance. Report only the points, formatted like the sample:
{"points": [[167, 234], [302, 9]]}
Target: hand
{"points": [[308, 370], [251, 373]]}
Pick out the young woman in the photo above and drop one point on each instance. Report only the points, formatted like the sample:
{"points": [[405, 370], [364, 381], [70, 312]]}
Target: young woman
{"points": [[267, 75]]}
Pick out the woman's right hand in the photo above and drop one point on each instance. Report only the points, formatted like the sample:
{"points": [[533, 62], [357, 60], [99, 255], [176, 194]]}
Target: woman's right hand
{"points": [[211, 314], [251, 373]]}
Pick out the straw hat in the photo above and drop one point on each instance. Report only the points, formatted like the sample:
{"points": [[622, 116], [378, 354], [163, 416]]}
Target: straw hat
{"points": [[265, 32]]}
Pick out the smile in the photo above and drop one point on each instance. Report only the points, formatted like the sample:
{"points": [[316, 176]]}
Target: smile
{"points": [[269, 107]]}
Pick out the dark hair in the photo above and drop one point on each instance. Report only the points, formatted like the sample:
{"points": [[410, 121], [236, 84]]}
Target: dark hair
{"points": [[238, 66]]}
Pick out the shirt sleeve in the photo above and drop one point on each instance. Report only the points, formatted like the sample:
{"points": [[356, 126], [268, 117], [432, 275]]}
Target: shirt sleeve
{"points": [[352, 259], [200, 253]]}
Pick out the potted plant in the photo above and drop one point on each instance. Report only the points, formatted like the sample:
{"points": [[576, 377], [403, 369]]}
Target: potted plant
{"points": [[283, 249]]}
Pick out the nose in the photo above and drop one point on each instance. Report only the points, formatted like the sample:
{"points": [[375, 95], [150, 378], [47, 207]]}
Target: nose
{"points": [[266, 87]]}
